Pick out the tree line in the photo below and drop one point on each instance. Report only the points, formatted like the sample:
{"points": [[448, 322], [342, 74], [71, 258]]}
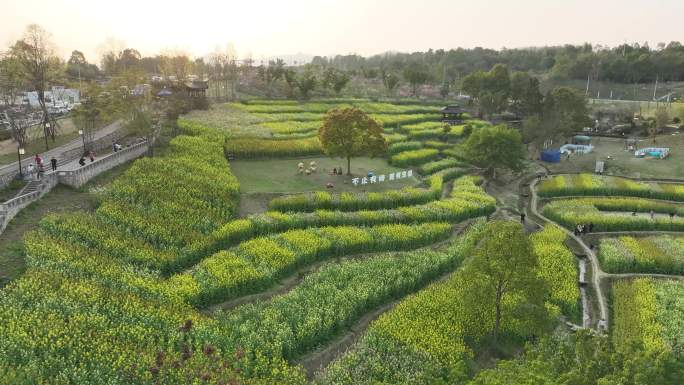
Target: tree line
{"points": [[626, 63]]}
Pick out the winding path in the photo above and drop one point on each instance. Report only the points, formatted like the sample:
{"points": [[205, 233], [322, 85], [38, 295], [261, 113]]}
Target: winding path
{"points": [[597, 272]]}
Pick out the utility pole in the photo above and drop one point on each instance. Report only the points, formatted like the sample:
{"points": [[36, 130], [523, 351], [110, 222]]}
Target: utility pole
{"points": [[586, 91]]}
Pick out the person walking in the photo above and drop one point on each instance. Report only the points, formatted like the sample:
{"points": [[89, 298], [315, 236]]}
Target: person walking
{"points": [[41, 171], [522, 217], [53, 163], [91, 155], [30, 170], [652, 215]]}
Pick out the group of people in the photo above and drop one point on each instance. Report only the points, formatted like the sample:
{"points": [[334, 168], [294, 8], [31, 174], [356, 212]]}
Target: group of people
{"points": [[582, 228], [38, 170], [337, 171], [90, 155]]}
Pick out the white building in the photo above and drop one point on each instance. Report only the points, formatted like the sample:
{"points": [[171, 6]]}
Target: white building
{"points": [[57, 97]]}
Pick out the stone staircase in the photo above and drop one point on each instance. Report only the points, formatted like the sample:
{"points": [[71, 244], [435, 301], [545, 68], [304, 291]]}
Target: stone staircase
{"points": [[30, 187]]}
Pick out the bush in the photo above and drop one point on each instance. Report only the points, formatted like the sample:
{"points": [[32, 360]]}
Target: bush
{"points": [[260, 148], [414, 158], [432, 167], [322, 200], [404, 146]]}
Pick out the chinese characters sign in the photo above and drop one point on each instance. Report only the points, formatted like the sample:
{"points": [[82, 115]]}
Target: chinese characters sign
{"points": [[382, 178]]}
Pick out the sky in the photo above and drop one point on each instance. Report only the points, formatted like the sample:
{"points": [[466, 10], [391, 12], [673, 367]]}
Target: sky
{"points": [[269, 28]]}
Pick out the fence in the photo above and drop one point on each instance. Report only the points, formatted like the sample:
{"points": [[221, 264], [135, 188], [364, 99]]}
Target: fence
{"points": [[74, 178], [11, 208], [79, 177]]}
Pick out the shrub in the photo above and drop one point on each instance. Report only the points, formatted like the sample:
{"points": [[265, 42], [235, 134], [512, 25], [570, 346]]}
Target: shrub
{"points": [[404, 146], [414, 158], [261, 148]]}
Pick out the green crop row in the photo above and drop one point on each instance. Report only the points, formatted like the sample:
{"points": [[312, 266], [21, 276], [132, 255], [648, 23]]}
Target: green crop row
{"points": [[662, 254], [255, 264], [329, 301], [428, 336], [467, 200], [422, 338], [439, 165], [572, 212], [596, 185], [261, 148], [414, 158], [396, 148]]}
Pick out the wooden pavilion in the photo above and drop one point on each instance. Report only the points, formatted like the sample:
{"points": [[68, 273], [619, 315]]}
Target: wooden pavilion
{"points": [[452, 114]]}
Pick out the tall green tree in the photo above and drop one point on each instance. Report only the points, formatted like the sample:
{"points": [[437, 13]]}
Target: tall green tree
{"points": [[583, 358], [390, 81], [490, 91], [350, 132], [416, 75], [272, 73], [502, 281], [335, 79], [497, 147], [525, 95], [565, 111], [306, 82]]}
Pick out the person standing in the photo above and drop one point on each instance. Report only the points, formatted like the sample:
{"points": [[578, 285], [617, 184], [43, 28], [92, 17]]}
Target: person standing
{"points": [[53, 163], [91, 155], [522, 217]]}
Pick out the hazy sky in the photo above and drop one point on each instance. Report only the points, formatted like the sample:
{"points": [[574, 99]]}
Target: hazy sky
{"points": [[323, 27]]}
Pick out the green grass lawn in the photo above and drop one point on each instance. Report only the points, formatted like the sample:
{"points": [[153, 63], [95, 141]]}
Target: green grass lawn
{"points": [[624, 162], [282, 175]]}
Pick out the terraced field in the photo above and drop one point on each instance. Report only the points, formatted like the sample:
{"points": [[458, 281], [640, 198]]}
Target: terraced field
{"points": [[643, 265]]}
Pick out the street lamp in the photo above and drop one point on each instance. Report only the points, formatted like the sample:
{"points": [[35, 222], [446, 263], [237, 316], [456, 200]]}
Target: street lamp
{"points": [[80, 132], [20, 152]]}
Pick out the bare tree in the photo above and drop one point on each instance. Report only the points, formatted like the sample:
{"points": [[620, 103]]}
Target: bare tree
{"points": [[19, 126], [40, 66]]}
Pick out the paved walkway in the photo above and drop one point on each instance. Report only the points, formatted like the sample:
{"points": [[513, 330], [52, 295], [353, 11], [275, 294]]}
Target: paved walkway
{"points": [[57, 151]]}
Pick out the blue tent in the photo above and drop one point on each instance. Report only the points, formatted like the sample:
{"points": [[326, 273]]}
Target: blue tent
{"points": [[551, 156]]}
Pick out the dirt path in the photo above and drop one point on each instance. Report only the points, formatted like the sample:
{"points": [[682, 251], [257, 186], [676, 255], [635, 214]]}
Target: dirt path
{"points": [[321, 358], [597, 273], [288, 283]]}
